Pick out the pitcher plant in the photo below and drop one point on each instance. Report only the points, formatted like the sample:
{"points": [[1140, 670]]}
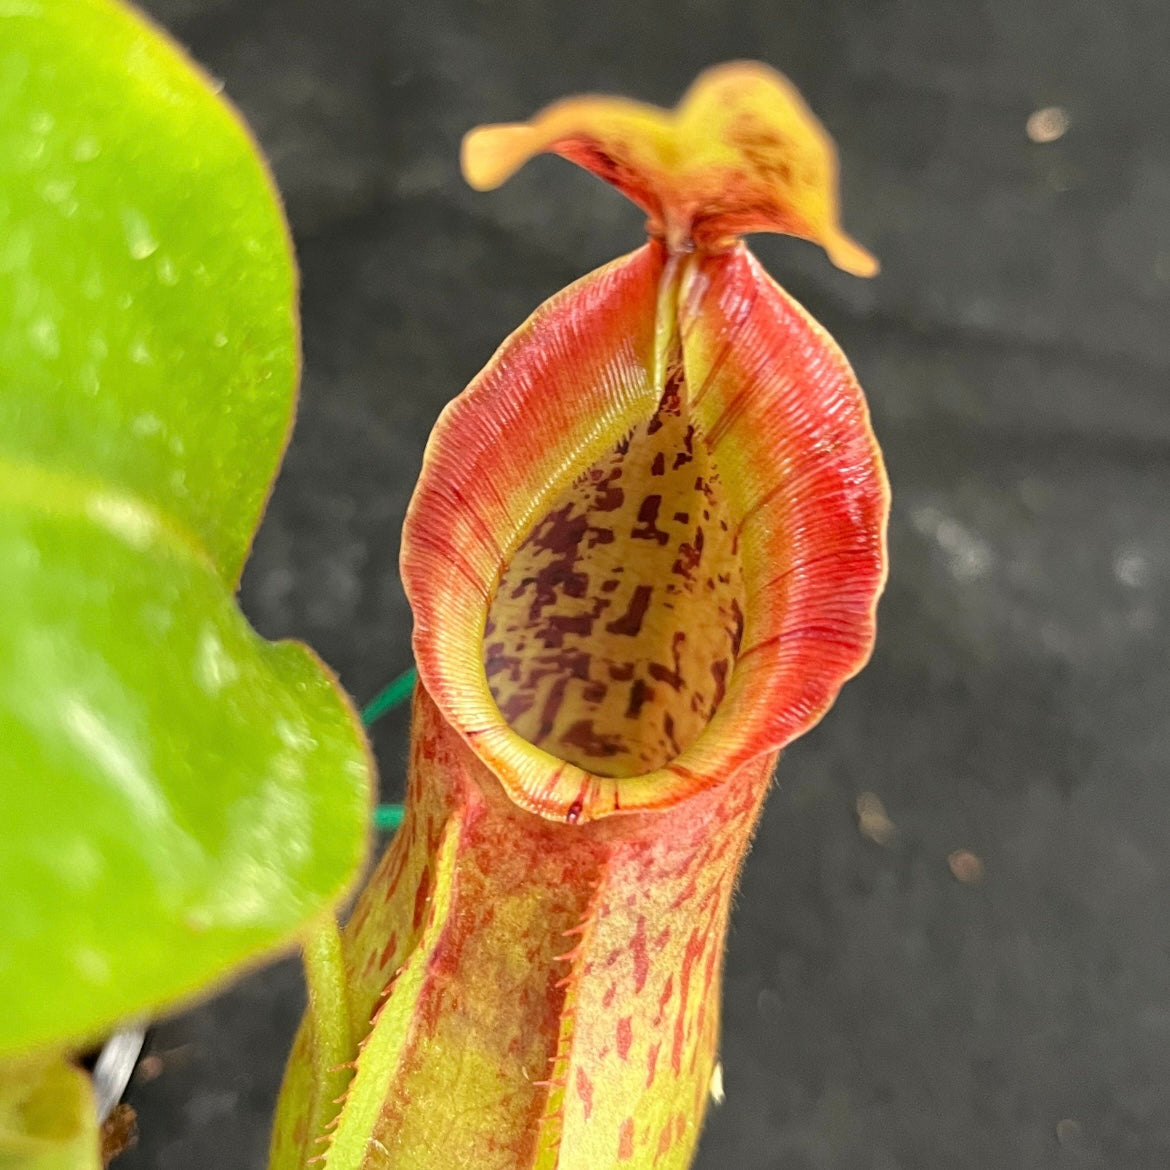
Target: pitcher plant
{"points": [[643, 555]]}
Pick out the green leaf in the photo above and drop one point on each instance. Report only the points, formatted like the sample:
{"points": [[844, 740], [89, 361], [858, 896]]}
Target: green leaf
{"points": [[176, 794], [148, 331], [47, 1119]]}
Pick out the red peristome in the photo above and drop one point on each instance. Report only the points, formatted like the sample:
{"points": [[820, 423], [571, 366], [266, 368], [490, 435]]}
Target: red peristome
{"points": [[784, 413], [777, 412], [561, 390]]}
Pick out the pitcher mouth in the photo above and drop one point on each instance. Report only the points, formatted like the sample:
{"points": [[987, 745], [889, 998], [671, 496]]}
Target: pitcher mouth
{"points": [[647, 542], [615, 625]]}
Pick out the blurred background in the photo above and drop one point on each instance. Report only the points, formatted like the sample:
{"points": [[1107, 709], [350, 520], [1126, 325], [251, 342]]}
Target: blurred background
{"points": [[950, 943]]}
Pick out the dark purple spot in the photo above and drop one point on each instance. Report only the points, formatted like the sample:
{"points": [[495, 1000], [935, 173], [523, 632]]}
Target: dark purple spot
{"points": [[630, 622], [668, 728], [737, 631], [719, 671], [639, 693], [583, 735], [648, 515]]}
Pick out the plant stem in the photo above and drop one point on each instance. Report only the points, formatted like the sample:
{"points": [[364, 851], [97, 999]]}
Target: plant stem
{"points": [[332, 1036]]}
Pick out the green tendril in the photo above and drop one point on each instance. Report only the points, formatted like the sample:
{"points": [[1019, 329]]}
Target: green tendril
{"points": [[387, 817], [392, 695]]}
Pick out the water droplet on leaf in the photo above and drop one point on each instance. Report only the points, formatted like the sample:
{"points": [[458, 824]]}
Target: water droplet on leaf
{"points": [[86, 149], [44, 337], [139, 237]]}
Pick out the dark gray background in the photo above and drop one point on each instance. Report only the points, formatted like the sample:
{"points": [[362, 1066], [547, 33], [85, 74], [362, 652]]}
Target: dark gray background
{"points": [[879, 1013]]}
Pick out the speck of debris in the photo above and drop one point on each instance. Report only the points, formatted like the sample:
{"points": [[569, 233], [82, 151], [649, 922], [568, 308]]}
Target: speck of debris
{"points": [[966, 866], [1068, 1132], [872, 820], [1048, 124], [119, 1133]]}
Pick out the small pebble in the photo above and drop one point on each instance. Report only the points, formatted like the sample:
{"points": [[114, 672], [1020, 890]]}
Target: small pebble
{"points": [[119, 1133], [1048, 124], [1068, 1132], [872, 820], [966, 866], [149, 1068]]}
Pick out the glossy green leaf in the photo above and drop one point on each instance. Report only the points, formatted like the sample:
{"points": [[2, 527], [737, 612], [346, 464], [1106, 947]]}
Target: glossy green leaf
{"points": [[176, 794], [47, 1119], [148, 293]]}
